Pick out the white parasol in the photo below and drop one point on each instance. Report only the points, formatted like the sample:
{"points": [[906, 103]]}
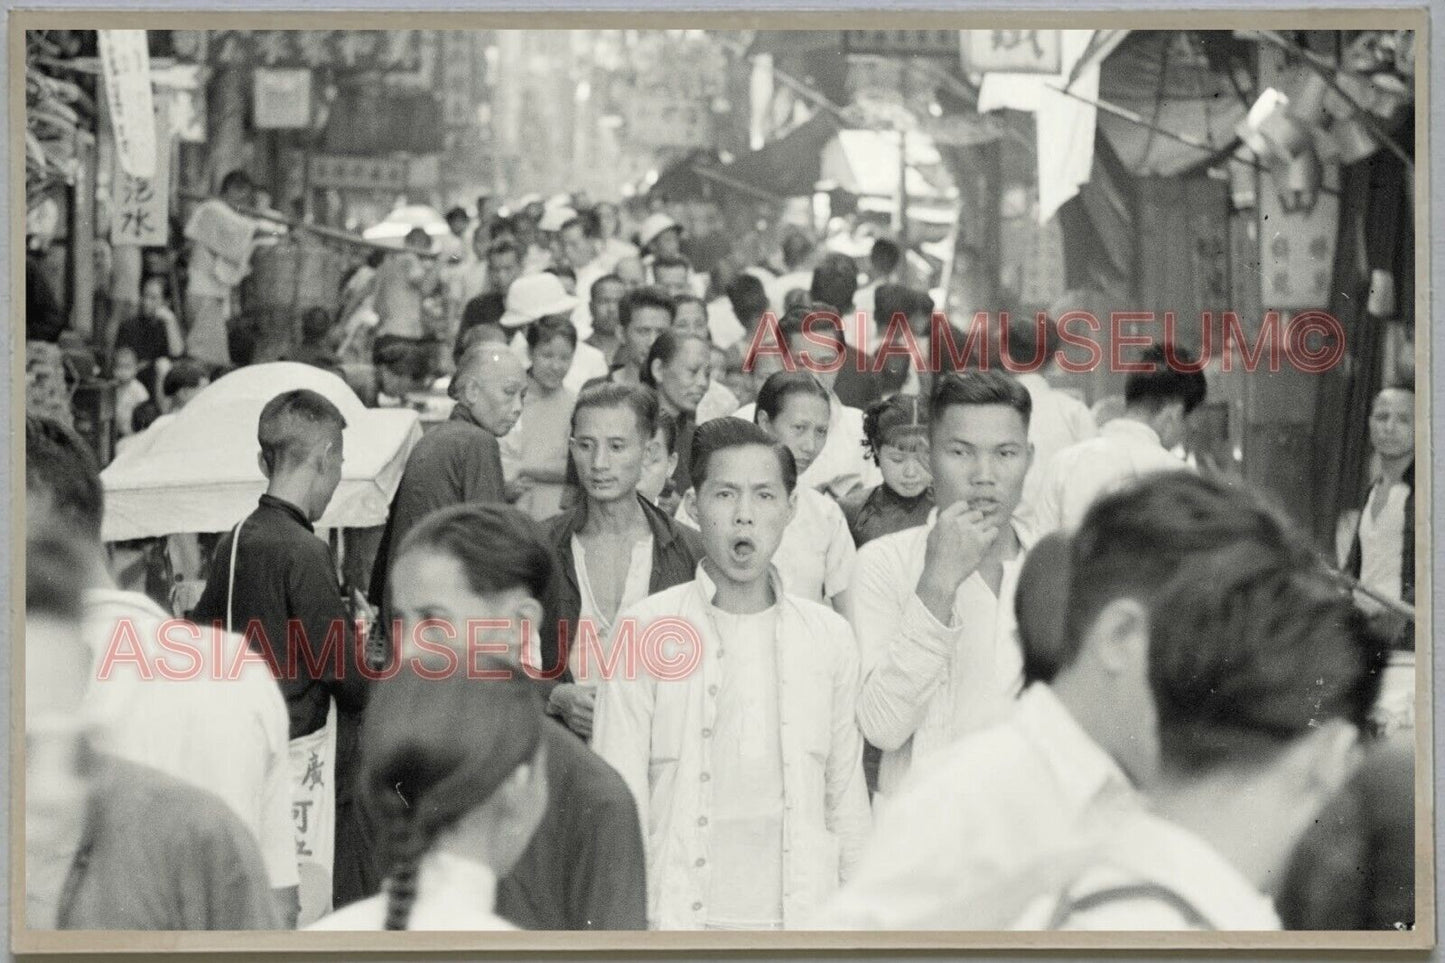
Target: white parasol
{"points": [[197, 470]]}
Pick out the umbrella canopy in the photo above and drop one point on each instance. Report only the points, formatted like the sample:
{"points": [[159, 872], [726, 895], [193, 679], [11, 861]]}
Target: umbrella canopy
{"points": [[197, 470], [400, 222]]}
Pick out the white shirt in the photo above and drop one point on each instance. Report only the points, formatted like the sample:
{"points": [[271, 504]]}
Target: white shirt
{"points": [[1382, 543], [986, 808], [1058, 421], [816, 555], [777, 288], [723, 325], [587, 363], [659, 736], [717, 402], [842, 465], [926, 684], [453, 893], [1124, 452], [746, 828], [1142, 848], [222, 732], [634, 589]]}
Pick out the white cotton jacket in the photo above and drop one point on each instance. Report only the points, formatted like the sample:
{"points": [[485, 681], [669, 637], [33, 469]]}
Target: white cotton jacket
{"points": [[926, 684], [658, 735]]}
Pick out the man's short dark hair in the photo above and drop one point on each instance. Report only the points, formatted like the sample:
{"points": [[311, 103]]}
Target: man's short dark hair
{"points": [[663, 263], [1021, 337], [504, 245], [60, 464], [884, 257], [748, 297], [56, 563], [1164, 382], [290, 424], [643, 297], [608, 278], [1214, 560], [891, 299], [185, 373], [457, 214], [835, 281], [1250, 641], [797, 248], [977, 388], [609, 394], [236, 180], [1041, 606], [722, 434]]}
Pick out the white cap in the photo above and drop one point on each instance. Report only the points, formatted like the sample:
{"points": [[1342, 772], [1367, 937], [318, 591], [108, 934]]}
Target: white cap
{"points": [[655, 225], [532, 296], [554, 217]]}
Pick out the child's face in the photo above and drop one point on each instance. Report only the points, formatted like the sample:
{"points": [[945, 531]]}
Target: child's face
{"points": [[125, 366], [152, 297], [904, 463]]}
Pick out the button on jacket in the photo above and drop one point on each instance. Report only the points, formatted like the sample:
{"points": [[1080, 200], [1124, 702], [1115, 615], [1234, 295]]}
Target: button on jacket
{"points": [[657, 734]]}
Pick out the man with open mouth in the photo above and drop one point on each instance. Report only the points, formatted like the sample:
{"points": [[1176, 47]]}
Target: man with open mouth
{"points": [[747, 769], [933, 606]]}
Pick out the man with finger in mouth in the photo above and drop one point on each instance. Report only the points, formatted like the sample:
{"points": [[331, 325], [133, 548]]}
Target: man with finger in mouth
{"points": [[747, 769], [933, 606]]}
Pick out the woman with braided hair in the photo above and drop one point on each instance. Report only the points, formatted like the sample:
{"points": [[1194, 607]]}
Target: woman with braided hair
{"points": [[484, 573], [454, 772]]}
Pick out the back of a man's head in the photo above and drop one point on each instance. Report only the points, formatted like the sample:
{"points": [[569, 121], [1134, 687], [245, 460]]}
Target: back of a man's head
{"points": [[748, 297], [1248, 638], [835, 281], [1167, 380], [884, 257], [62, 478], [292, 425]]}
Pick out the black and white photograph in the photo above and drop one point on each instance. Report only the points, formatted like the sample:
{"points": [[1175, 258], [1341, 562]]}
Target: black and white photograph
{"points": [[811, 482]]}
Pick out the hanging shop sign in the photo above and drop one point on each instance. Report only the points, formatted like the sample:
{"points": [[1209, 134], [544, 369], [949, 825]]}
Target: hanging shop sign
{"points": [[1011, 51], [140, 215], [340, 172], [915, 43], [126, 67], [282, 98], [346, 50]]}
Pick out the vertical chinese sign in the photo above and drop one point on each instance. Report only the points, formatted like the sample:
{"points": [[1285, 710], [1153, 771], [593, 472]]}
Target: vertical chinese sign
{"points": [[141, 127]]}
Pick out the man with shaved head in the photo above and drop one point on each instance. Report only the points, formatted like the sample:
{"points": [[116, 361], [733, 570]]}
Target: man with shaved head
{"points": [[459, 460], [272, 579]]}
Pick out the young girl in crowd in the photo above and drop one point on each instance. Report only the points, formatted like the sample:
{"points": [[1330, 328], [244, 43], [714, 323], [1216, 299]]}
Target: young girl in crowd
{"points": [[454, 769], [897, 433], [816, 554], [534, 453]]}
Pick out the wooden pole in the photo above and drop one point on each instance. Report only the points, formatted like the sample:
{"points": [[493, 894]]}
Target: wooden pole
{"points": [[330, 233]]}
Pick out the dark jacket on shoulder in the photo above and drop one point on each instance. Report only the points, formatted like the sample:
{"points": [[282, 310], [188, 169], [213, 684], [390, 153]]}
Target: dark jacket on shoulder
{"points": [[676, 550]]}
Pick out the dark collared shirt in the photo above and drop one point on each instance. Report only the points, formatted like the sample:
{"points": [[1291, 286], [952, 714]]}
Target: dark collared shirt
{"points": [[878, 511], [676, 550], [285, 587]]}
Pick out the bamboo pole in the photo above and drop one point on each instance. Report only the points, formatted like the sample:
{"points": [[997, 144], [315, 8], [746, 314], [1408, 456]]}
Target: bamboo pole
{"points": [[329, 233]]}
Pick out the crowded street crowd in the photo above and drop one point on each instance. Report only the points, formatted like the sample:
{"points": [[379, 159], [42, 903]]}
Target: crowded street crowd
{"points": [[936, 647]]}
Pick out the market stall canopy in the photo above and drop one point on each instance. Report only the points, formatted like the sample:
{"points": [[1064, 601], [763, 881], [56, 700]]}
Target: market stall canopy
{"points": [[197, 470], [865, 162], [1180, 81], [403, 220], [786, 167]]}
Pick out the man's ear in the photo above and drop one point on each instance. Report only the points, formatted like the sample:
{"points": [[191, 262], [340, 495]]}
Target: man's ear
{"points": [[1119, 636], [265, 468], [764, 422], [671, 464], [527, 615]]}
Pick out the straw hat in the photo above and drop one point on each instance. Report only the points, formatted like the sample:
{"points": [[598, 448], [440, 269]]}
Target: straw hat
{"points": [[654, 225]]}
